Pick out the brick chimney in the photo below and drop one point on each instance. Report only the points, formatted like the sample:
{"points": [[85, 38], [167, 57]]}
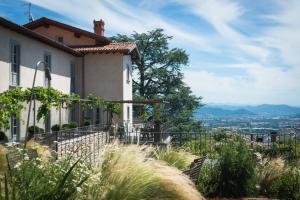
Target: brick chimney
{"points": [[99, 27]]}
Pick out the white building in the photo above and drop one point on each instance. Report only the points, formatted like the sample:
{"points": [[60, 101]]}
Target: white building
{"points": [[80, 61]]}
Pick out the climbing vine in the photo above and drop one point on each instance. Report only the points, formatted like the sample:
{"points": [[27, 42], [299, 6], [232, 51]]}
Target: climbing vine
{"points": [[12, 102]]}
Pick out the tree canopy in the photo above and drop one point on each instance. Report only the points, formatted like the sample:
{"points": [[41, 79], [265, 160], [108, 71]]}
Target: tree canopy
{"points": [[159, 75]]}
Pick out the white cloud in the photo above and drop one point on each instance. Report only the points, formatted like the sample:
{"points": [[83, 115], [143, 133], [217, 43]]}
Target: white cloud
{"points": [[263, 81], [121, 17], [285, 36], [261, 85]]}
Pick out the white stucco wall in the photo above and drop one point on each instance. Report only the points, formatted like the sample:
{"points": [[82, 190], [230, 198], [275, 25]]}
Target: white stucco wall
{"points": [[31, 52], [103, 75], [106, 77], [127, 88]]}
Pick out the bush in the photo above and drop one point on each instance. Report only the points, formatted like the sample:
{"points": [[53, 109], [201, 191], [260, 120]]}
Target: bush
{"points": [[233, 175], [73, 125], [55, 128], [3, 137], [65, 127], [201, 146], [219, 135], [87, 122], [37, 131]]}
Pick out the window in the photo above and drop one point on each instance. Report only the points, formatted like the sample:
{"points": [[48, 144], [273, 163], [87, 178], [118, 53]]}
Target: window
{"points": [[15, 63], [128, 113], [14, 127], [72, 86], [128, 73], [47, 60]]}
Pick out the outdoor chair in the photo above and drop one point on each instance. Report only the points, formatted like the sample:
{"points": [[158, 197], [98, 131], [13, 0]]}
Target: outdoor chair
{"points": [[195, 168], [15, 157]]}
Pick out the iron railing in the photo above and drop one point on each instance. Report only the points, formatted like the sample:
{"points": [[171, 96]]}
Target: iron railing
{"points": [[89, 141]]}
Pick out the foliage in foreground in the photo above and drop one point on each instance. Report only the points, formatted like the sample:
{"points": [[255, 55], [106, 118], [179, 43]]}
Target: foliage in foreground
{"points": [[129, 173], [58, 180], [233, 174]]}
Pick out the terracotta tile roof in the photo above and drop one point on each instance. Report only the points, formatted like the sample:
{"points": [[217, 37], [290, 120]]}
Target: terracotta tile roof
{"points": [[120, 47], [114, 47]]}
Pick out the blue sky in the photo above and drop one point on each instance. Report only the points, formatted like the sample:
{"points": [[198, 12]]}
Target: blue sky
{"points": [[241, 51]]}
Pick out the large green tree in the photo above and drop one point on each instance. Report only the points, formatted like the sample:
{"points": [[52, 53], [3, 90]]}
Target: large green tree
{"points": [[159, 75]]}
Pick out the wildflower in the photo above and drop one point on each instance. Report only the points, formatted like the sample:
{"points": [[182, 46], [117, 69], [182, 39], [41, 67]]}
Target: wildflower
{"points": [[26, 157], [78, 189], [17, 165]]}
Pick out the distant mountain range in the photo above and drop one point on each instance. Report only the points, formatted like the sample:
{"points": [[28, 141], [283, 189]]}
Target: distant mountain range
{"points": [[266, 110]]}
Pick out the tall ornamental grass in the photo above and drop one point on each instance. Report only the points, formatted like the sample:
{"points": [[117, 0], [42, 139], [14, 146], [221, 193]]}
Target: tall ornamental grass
{"points": [[268, 172], [178, 158], [276, 179], [127, 172]]}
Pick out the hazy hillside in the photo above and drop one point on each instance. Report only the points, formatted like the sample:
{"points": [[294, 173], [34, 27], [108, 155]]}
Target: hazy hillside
{"points": [[208, 111], [236, 111], [279, 110]]}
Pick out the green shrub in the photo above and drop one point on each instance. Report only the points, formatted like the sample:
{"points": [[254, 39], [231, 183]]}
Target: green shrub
{"points": [[37, 129], [233, 175], [207, 184], [87, 122], [55, 127], [31, 131], [199, 146], [65, 127], [219, 135], [3, 137], [73, 125]]}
